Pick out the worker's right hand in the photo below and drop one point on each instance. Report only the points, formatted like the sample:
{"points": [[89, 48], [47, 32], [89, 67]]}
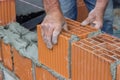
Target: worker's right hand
{"points": [[51, 27], [95, 19]]}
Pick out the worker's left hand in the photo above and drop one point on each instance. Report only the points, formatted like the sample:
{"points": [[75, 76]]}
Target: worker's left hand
{"points": [[95, 18]]}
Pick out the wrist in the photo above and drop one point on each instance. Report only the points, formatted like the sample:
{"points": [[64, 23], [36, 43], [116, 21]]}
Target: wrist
{"points": [[99, 10], [54, 10]]}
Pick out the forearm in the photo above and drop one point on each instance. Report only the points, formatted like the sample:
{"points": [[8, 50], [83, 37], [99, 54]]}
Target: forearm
{"points": [[51, 6], [101, 5]]}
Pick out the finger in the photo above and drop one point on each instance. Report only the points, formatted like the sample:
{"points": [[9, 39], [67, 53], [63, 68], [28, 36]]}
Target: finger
{"points": [[87, 21], [65, 27], [47, 34], [55, 35], [47, 40]]}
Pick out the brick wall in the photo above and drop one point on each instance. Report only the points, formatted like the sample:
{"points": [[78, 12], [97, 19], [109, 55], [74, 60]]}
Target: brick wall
{"points": [[75, 57]]}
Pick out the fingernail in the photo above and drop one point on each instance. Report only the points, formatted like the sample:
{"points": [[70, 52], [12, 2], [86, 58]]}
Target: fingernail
{"points": [[54, 41], [83, 23], [49, 46]]}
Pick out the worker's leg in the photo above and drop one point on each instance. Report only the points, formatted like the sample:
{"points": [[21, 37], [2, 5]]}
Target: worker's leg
{"points": [[108, 16], [69, 8]]}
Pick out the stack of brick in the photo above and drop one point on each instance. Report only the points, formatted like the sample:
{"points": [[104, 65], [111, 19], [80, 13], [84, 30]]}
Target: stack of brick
{"points": [[59, 58], [7, 11], [95, 58]]}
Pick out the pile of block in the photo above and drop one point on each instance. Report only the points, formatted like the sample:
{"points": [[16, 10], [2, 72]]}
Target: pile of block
{"points": [[7, 11]]}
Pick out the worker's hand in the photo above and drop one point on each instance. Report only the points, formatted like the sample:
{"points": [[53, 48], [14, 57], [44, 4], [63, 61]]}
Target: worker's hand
{"points": [[95, 18], [51, 27]]}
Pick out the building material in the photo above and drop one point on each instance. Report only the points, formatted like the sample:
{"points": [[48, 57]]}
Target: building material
{"points": [[7, 11]]}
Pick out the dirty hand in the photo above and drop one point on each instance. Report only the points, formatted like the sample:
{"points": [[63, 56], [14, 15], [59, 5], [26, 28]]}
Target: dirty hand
{"points": [[95, 19], [51, 27]]}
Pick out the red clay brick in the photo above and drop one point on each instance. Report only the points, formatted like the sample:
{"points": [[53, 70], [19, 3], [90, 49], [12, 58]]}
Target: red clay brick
{"points": [[7, 57], [22, 66], [1, 75], [7, 11], [87, 66], [118, 72], [0, 50], [42, 74], [57, 58], [93, 61]]}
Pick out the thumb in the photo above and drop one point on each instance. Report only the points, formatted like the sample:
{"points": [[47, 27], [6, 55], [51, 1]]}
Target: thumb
{"points": [[85, 22]]}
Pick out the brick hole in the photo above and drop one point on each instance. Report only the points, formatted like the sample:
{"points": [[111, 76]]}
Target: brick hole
{"points": [[106, 52], [107, 36], [108, 46], [117, 57], [66, 34], [87, 43], [105, 39], [91, 28], [95, 43], [97, 52], [89, 40], [72, 22], [75, 31], [108, 58], [71, 27], [117, 52], [98, 40], [86, 47], [97, 48]]}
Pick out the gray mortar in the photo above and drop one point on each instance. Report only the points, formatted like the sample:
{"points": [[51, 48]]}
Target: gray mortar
{"points": [[52, 72], [7, 74], [92, 34], [21, 39], [113, 68], [73, 38], [33, 70]]}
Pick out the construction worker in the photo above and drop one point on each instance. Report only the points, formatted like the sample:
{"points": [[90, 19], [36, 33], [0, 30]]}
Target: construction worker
{"points": [[54, 21]]}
